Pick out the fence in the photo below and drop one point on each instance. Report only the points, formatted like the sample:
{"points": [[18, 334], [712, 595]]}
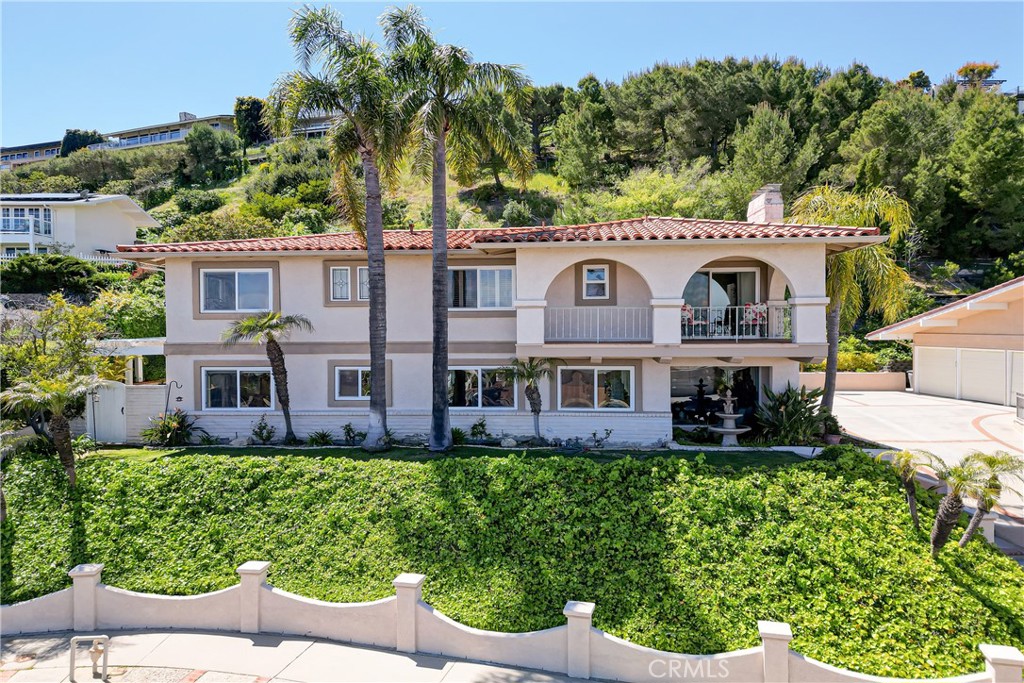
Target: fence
{"points": [[751, 321], [95, 258], [597, 324], [405, 623]]}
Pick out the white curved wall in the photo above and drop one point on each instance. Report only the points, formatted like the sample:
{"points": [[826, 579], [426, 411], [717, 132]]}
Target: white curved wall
{"points": [[120, 609], [53, 612], [368, 623]]}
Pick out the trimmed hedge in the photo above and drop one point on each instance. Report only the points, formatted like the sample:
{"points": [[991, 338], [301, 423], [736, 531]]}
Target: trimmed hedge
{"points": [[677, 556]]}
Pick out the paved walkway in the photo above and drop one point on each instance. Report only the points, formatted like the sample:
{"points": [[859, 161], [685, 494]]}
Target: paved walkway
{"points": [[195, 657]]}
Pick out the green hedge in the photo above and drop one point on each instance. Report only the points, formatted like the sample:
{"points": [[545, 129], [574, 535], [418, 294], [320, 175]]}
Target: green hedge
{"points": [[677, 556]]}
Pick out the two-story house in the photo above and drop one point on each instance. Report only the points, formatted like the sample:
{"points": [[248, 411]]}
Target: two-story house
{"points": [[83, 224], [640, 313]]}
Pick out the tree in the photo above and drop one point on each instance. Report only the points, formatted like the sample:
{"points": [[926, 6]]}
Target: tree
{"points": [[906, 463], [965, 479], [584, 136], [75, 139], [543, 110], [867, 278], [232, 225], [974, 73], [268, 329], [838, 105], [250, 127], [489, 111], [994, 466], [643, 106], [530, 372], [349, 76], [446, 86], [56, 398], [211, 156]]}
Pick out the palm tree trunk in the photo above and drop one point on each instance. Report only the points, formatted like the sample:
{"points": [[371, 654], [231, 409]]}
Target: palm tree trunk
{"points": [[832, 361], [440, 425], [975, 523], [276, 357], [533, 396], [908, 486], [376, 432], [60, 429], [946, 518]]}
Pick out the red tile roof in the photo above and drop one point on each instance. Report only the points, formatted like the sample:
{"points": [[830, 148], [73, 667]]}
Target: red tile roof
{"points": [[634, 229]]}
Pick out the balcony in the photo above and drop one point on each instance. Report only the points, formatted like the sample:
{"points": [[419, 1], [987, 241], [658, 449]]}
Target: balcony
{"points": [[598, 324], [25, 226], [736, 323]]}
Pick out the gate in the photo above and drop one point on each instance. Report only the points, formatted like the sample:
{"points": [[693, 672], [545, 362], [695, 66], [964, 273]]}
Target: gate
{"points": [[104, 416]]}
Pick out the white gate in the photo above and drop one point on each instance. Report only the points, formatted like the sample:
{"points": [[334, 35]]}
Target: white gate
{"points": [[104, 416]]}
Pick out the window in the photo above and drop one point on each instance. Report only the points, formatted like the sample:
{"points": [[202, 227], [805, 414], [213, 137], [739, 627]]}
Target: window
{"points": [[238, 389], [595, 282], [481, 388], [340, 283], [721, 288], [363, 273], [480, 287], [584, 388], [235, 290], [352, 383], [175, 134], [47, 221]]}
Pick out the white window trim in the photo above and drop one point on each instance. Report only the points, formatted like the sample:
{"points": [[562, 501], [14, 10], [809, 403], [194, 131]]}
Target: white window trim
{"points": [[348, 276], [594, 369], [741, 269], [606, 282], [479, 369], [359, 382], [359, 295], [236, 271], [238, 395], [487, 308]]}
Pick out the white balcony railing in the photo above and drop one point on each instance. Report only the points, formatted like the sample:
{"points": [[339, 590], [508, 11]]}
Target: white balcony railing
{"points": [[752, 321], [24, 225], [597, 324]]}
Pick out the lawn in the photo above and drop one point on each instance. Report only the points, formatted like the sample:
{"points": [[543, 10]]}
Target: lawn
{"points": [[680, 553]]}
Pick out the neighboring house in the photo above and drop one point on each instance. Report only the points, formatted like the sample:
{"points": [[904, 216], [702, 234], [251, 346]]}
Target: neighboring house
{"points": [[163, 133], [12, 157], [639, 311], [970, 349], [81, 224]]}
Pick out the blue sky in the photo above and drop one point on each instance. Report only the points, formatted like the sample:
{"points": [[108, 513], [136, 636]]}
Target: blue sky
{"points": [[118, 65]]}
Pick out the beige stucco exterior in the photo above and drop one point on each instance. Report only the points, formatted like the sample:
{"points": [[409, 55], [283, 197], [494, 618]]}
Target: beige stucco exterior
{"points": [[649, 278]]}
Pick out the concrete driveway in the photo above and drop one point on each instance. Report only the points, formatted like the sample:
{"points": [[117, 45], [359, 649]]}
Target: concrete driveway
{"points": [[945, 427]]}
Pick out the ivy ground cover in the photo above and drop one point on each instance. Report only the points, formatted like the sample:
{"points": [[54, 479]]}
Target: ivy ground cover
{"points": [[678, 555]]}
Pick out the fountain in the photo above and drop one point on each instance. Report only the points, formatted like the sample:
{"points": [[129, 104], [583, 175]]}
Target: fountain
{"points": [[728, 428]]}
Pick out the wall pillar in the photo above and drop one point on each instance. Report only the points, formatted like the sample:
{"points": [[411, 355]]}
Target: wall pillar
{"points": [[1003, 663], [409, 589], [84, 580], [775, 637], [579, 616], [808, 319], [988, 528], [666, 322], [530, 321], [253, 575]]}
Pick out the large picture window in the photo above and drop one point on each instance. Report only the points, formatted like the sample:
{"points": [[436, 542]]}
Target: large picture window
{"points": [[235, 291], [481, 388], [351, 383], [480, 287], [589, 388], [238, 389]]}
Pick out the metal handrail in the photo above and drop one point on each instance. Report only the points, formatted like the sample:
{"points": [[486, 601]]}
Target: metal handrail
{"points": [[598, 324], [750, 321]]}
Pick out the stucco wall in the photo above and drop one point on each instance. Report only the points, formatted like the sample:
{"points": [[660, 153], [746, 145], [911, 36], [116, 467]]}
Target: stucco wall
{"points": [[102, 226], [858, 381], [981, 330]]}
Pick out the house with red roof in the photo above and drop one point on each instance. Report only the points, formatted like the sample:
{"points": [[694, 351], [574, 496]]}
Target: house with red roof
{"points": [[647, 316]]}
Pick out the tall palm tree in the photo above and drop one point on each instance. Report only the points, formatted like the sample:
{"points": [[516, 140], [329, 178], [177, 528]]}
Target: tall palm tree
{"points": [[268, 329], [906, 464], [349, 78], [530, 372], [995, 466], [965, 479], [848, 275], [56, 396], [449, 84]]}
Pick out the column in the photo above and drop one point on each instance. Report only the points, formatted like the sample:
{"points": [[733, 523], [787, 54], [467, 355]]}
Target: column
{"points": [[253, 575], [409, 589], [530, 321], [666, 321], [775, 637], [579, 617], [1003, 663], [808, 319], [84, 580]]}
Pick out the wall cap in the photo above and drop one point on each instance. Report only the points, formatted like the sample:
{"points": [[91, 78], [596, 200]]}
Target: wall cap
{"points": [[253, 567], [408, 580], [1002, 654], [86, 570], [579, 609], [774, 630]]}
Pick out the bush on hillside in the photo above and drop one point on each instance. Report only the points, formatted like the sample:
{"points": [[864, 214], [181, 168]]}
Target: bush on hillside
{"points": [[234, 225], [194, 202], [517, 214], [46, 273]]}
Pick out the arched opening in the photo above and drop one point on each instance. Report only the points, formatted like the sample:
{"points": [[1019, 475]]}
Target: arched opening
{"points": [[598, 301], [737, 298]]}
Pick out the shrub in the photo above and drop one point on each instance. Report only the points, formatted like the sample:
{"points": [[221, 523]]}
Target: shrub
{"points": [[82, 444], [458, 436], [322, 437], [194, 202], [851, 361], [271, 207], [304, 219], [396, 213], [791, 416], [172, 429], [353, 436], [234, 225], [517, 214], [315, 193], [262, 431], [45, 273], [479, 429], [1006, 269]]}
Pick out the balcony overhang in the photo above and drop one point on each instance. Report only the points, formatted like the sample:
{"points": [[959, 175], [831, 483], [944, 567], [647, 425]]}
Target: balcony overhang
{"points": [[715, 353]]}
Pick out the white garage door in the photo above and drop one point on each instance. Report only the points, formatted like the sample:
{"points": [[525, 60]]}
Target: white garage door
{"points": [[935, 371], [983, 376], [1016, 375]]}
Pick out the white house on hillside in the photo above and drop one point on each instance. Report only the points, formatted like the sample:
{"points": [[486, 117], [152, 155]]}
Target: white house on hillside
{"points": [[85, 224], [639, 311]]}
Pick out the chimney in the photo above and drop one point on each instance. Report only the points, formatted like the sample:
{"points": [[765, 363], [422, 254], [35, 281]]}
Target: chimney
{"points": [[766, 206]]}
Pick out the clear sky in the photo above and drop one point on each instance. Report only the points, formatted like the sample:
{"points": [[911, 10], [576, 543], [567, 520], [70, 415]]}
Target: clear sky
{"points": [[118, 65]]}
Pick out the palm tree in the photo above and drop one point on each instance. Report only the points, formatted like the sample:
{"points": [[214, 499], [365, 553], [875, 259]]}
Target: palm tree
{"points": [[350, 79], [56, 396], [994, 466], [849, 274], [965, 479], [449, 85], [530, 372], [267, 329], [906, 464]]}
